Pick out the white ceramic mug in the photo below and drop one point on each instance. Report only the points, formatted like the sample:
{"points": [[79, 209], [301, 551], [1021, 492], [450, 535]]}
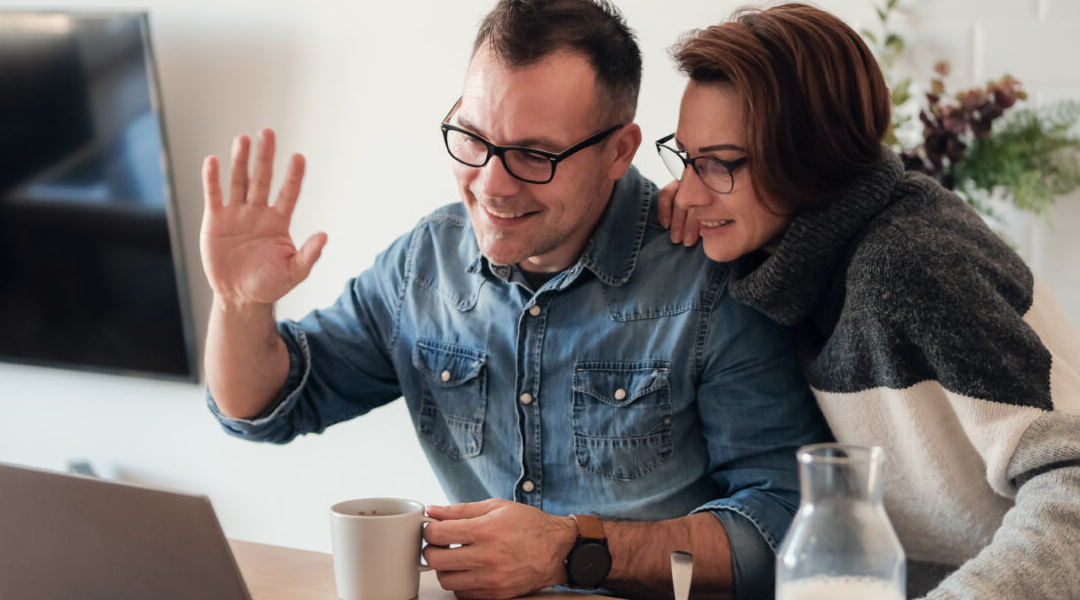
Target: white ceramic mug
{"points": [[376, 543]]}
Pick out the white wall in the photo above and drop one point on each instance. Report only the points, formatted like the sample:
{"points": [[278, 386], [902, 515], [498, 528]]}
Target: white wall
{"points": [[360, 91]]}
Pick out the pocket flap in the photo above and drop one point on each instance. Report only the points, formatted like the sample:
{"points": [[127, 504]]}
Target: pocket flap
{"points": [[620, 384], [447, 364]]}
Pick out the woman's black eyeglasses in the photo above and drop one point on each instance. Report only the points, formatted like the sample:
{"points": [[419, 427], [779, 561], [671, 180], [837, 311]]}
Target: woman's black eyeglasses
{"points": [[717, 174]]}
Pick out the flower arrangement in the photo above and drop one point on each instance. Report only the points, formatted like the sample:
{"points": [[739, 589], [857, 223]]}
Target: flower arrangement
{"points": [[980, 142]]}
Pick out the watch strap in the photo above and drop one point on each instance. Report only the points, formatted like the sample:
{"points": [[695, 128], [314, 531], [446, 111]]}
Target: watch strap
{"points": [[589, 561], [589, 527]]}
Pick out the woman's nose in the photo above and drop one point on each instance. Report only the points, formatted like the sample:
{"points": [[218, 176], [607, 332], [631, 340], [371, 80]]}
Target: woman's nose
{"points": [[692, 192]]}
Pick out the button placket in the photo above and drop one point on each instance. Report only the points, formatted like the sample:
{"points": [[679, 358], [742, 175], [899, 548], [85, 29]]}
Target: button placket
{"points": [[532, 324]]}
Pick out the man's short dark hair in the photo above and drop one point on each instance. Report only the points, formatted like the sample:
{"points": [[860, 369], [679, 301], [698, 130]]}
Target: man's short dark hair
{"points": [[523, 32]]}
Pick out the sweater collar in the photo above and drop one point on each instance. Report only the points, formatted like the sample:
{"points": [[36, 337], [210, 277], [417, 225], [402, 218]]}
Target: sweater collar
{"points": [[788, 284]]}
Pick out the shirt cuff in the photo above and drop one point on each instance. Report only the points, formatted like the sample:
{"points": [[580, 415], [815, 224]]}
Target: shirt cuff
{"points": [[753, 563], [264, 426]]}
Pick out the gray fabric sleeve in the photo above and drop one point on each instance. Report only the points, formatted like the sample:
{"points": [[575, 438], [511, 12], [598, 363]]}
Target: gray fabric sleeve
{"points": [[1034, 552]]}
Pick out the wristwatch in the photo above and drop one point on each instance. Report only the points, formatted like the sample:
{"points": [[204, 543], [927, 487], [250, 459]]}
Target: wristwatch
{"points": [[589, 562]]}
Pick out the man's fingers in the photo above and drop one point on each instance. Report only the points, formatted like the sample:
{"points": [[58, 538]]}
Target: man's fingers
{"points": [[238, 182], [211, 183], [290, 189], [466, 510], [309, 253], [457, 523], [446, 532], [452, 559], [263, 171]]}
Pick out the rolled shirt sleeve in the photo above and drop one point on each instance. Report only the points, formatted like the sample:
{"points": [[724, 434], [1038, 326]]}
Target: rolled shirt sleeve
{"points": [[339, 362], [753, 565], [768, 413]]}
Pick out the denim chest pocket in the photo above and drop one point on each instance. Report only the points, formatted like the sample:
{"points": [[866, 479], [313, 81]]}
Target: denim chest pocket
{"points": [[454, 397], [622, 417]]}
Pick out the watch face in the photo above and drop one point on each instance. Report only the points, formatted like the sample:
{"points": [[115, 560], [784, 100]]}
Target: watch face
{"points": [[589, 565]]}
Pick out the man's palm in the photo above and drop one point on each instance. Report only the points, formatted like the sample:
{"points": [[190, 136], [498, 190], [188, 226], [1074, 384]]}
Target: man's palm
{"points": [[248, 254]]}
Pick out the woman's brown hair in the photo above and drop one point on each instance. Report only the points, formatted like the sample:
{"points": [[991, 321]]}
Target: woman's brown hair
{"points": [[816, 103]]}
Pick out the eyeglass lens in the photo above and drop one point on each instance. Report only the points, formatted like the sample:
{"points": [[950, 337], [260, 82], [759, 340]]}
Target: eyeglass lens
{"points": [[713, 173], [523, 164]]}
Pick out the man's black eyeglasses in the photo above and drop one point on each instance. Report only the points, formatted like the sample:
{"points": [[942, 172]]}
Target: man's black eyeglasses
{"points": [[715, 173], [527, 164]]}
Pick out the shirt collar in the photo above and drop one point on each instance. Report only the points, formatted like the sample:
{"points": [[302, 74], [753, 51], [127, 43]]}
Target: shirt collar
{"points": [[612, 250]]}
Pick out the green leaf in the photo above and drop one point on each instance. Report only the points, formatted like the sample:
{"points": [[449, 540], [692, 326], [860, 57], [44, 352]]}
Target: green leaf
{"points": [[884, 16], [892, 4], [901, 92], [866, 33], [895, 43], [1033, 157]]}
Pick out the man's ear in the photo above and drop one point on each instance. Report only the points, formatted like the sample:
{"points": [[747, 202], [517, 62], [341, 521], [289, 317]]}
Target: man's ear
{"points": [[625, 143]]}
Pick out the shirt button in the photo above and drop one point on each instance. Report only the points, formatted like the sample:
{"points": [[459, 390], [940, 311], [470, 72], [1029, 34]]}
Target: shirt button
{"points": [[445, 376], [534, 310], [526, 398], [620, 394], [528, 486]]}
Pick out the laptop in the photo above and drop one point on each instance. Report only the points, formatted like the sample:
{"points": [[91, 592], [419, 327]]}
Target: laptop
{"points": [[71, 537]]}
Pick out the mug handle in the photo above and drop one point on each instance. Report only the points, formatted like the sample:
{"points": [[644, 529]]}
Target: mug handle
{"points": [[423, 523]]}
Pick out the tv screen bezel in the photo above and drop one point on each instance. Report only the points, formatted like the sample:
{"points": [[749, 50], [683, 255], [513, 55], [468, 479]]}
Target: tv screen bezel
{"points": [[172, 216]]}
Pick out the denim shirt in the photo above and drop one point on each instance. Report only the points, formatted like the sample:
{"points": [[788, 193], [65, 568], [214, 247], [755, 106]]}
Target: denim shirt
{"points": [[630, 386]]}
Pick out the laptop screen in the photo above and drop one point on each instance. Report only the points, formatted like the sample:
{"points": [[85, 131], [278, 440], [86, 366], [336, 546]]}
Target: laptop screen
{"points": [[70, 536]]}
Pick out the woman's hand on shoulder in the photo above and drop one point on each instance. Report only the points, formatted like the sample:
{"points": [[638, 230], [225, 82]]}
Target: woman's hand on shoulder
{"points": [[682, 227]]}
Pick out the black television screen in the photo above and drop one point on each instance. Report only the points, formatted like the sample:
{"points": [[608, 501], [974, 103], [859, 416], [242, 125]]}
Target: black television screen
{"points": [[91, 271]]}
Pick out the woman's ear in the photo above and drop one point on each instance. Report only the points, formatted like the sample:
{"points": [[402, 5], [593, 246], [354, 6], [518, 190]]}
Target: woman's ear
{"points": [[625, 142]]}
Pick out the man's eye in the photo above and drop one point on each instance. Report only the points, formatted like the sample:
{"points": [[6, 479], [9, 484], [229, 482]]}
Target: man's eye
{"points": [[533, 158]]}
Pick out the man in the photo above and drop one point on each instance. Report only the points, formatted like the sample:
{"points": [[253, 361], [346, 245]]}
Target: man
{"points": [[552, 347]]}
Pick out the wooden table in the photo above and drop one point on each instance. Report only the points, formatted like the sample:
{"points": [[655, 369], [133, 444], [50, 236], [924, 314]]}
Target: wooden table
{"points": [[278, 573]]}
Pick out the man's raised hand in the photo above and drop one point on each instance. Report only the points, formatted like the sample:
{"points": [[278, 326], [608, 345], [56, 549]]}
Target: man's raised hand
{"points": [[247, 252]]}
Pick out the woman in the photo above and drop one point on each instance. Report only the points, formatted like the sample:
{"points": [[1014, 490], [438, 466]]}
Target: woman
{"points": [[919, 330]]}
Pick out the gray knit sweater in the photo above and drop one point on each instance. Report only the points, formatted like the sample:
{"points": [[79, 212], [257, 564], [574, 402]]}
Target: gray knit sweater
{"points": [[920, 331]]}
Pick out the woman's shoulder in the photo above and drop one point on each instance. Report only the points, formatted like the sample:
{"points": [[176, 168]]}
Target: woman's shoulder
{"points": [[926, 219], [929, 240], [939, 296]]}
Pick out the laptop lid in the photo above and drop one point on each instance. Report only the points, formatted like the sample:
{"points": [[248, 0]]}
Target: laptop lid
{"points": [[69, 536]]}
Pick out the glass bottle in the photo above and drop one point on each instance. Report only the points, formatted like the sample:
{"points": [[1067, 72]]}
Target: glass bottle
{"points": [[841, 545]]}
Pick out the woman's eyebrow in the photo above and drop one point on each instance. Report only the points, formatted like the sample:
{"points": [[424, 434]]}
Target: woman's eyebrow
{"points": [[722, 147]]}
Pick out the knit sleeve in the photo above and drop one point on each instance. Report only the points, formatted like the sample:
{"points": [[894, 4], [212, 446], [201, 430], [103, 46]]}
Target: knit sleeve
{"points": [[966, 314], [1032, 554], [954, 320]]}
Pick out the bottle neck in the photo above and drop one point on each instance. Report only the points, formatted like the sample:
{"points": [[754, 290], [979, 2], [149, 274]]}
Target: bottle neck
{"points": [[841, 474]]}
